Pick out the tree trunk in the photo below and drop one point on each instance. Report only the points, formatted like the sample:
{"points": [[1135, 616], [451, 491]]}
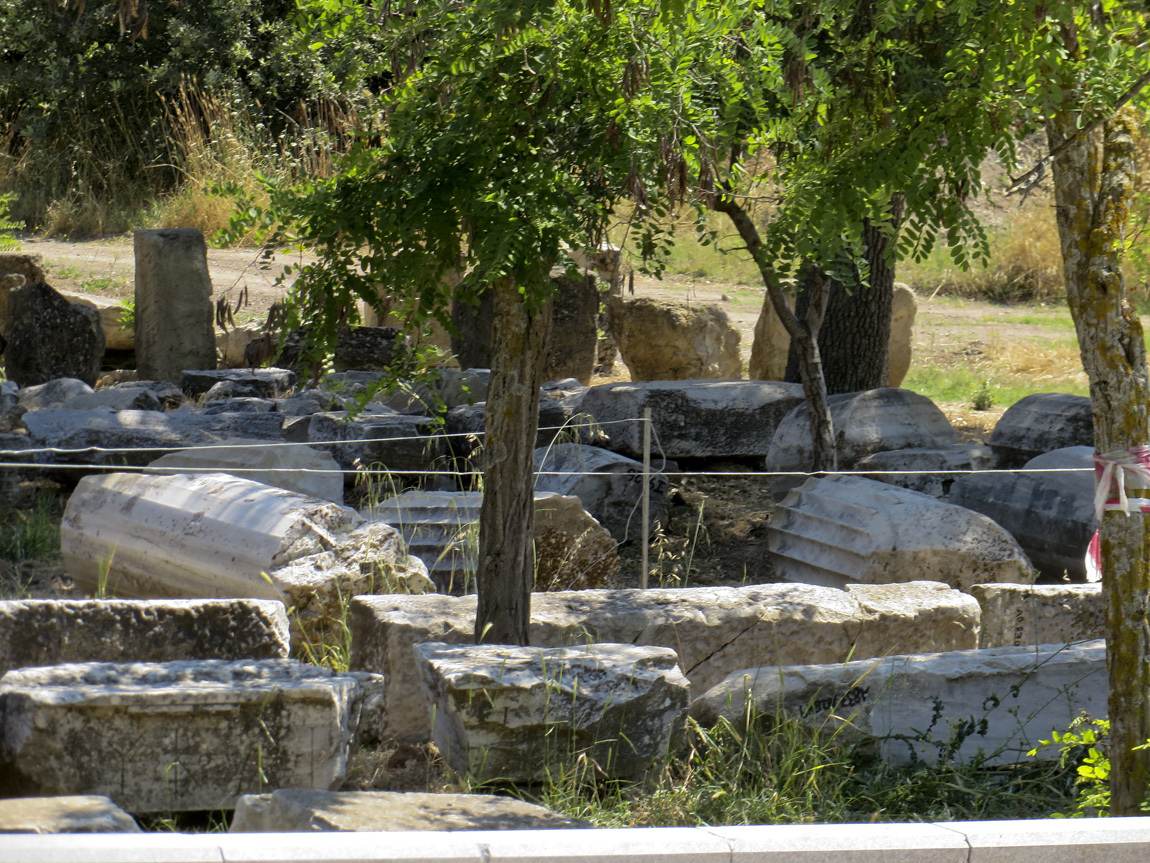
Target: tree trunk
{"points": [[1092, 187], [506, 562], [854, 339], [804, 334]]}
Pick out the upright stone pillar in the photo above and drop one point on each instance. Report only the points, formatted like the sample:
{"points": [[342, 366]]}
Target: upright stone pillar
{"points": [[174, 317]]}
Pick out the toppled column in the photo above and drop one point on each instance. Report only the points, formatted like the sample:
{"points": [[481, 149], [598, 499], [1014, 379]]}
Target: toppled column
{"points": [[174, 315]]}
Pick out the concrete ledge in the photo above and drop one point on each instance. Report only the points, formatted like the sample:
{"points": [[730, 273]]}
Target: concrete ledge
{"points": [[1106, 840]]}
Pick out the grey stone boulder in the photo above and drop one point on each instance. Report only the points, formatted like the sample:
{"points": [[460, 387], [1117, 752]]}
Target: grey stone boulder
{"points": [[268, 383], [668, 340], [116, 399], [995, 704], [609, 485], [914, 468], [174, 736], [11, 411], [117, 337], [463, 387], [243, 405], [385, 441], [296, 810], [864, 423], [17, 269], [1040, 423], [844, 529], [1017, 615], [38, 632], [367, 348], [169, 394], [518, 713], [572, 550], [77, 814], [52, 394], [304, 404], [1050, 513], [693, 418], [230, 390], [49, 337]]}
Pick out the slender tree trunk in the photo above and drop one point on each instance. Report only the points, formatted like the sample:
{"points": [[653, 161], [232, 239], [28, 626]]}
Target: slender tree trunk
{"points": [[506, 561], [1092, 186], [804, 334], [854, 339]]}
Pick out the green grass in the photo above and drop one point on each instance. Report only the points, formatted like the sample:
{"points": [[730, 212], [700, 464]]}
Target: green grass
{"points": [[959, 383], [32, 533]]}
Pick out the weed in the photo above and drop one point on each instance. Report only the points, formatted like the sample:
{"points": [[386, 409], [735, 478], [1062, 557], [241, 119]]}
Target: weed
{"points": [[983, 398], [31, 534]]}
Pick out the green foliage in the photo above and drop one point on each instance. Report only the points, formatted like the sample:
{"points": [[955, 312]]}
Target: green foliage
{"points": [[983, 398], [7, 241], [30, 534]]}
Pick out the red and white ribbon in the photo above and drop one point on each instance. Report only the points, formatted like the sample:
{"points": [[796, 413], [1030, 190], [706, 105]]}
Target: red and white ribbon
{"points": [[1111, 472]]}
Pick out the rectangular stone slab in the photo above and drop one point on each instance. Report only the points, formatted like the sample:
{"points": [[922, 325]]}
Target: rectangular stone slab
{"points": [[38, 632], [714, 630], [174, 736], [1015, 615]]}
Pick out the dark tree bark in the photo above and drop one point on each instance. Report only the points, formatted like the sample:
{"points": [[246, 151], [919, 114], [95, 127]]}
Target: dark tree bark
{"points": [[854, 340], [506, 524]]}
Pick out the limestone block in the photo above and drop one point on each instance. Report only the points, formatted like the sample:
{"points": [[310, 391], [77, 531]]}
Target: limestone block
{"points": [[15, 266], [864, 423], [771, 344], [117, 337], [693, 419], [11, 411], [305, 404], [1016, 615], [170, 395], [904, 306], [1040, 423], [609, 485], [1050, 514], [667, 340], [174, 736], [267, 383], [715, 630], [294, 467], [845, 529], [392, 442], [174, 313], [116, 399], [516, 713], [956, 457], [296, 810], [35, 632], [231, 345], [572, 550], [214, 535], [49, 337], [463, 387], [83, 814], [997, 703], [52, 394]]}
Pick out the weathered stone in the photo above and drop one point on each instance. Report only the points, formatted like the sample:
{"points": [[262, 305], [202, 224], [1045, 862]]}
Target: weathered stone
{"points": [[52, 394], [864, 423], [997, 703], [140, 437], [916, 461], [1040, 423], [609, 485], [463, 388], [715, 630], [693, 419], [305, 404], [367, 348], [845, 529], [17, 269], [231, 345], [517, 713], [771, 344], [1050, 514], [230, 390], [400, 444], [216, 535], [667, 340], [170, 395], [116, 399], [1016, 615], [89, 814], [572, 550], [36, 632], [296, 467], [238, 406], [903, 307], [265, 383], [295, 810], [117, 337], [174, 313], [49, 337], [11, 411], [174, 736]]}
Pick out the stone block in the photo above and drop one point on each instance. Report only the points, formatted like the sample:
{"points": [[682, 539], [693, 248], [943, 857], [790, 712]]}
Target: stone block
{"points": [[116, 399], [52, 394], [38, 632], [670, 340], [174, 736], [231, 345], [903, 307], [173, 299], [117, 337], [771, 344], [296, 810], [996, 703], [49, 337], [268, 383], [845, 529], [1016, 615], [715, 630], [890, 464], [572, 550], [81, 814], [693, 419], [1040, 423], [296, 467], [1050, 513], [390, 442], [518, 713], [11, 411]]}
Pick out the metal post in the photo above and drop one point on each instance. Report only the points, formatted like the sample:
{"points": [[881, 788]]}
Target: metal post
{"points": [[645, 530]]}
